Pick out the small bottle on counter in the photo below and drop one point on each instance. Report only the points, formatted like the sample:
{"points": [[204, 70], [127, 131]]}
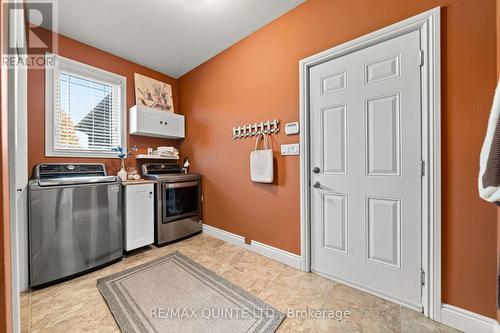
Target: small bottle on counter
{"points": [[186, 165]]}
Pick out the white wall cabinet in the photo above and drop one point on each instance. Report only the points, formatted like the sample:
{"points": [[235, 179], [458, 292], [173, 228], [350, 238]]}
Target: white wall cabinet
{"points": [[139, 215], [156, 123]]}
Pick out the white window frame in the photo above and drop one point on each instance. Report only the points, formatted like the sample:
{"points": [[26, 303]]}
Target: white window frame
{"points": [[93, 73]]}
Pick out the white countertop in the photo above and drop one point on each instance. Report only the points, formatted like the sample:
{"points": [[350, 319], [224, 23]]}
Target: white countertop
{"points": [[137, 182]]}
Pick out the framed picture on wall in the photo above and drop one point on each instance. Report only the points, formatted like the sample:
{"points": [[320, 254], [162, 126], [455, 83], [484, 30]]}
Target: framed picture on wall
{"points": [[153, 93]]}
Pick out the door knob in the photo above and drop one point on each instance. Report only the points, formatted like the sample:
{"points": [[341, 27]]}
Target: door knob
{"points": [[317, 184], [316, 170]]}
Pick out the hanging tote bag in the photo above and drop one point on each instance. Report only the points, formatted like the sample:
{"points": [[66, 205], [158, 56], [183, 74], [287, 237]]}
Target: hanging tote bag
{"points": [[261, 162]]}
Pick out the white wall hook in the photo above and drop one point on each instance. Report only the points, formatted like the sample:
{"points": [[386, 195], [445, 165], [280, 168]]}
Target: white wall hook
{"points": [[245, 131]]}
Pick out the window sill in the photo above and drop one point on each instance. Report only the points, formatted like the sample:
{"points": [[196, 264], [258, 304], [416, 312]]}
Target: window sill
{"points": [[80, 154]]}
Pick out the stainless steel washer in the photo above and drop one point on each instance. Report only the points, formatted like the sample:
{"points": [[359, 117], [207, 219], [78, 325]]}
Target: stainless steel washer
{"points": [[75, 220]]}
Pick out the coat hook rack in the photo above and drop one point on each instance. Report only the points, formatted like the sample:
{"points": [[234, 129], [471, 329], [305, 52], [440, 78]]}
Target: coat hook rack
{"points": [[249, 130]]}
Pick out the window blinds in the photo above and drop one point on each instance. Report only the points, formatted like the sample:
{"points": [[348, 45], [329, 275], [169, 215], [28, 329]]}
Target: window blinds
{"points": [[86, 113]]}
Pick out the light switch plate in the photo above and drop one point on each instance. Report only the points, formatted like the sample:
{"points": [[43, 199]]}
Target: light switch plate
{"points": [[290, 149]]}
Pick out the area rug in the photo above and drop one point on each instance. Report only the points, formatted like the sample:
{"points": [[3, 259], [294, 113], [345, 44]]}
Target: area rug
{"points": [[176, 294]]}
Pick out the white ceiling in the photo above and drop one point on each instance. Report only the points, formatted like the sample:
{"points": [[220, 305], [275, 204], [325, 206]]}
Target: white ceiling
{"points": [[170, 36]]}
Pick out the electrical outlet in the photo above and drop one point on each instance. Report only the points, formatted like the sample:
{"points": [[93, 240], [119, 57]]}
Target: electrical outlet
{"points": [[290, 149]]}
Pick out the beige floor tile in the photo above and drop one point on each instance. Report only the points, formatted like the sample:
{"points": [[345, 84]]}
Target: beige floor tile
{"points": [[355, 311], [414, 322], [296, 290], [25, 299], [248, 270], [296, 325], [77, 306]]}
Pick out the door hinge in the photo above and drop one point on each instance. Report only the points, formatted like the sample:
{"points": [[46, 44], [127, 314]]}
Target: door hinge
{"points": [[421, 57], [422, 277], [422, 168]]}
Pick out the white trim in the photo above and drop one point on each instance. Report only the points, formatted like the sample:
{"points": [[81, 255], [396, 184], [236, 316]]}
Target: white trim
{"points": [[428, 23], [282, 256], [467, 321], [17, 88], [279, 255], [224, 235], [93, 73]]}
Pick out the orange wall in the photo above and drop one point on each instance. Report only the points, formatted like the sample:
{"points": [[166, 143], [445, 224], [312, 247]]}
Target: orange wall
{"points": [[257, 79], [78, 51]]}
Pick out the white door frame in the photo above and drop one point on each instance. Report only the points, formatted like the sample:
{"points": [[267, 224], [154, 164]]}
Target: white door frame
{"points": [[18, 155], [428, 23]]}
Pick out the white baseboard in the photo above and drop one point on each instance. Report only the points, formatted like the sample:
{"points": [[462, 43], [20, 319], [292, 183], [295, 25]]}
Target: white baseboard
{"points": [[282, 256], [467, 321], [279, 255], [224, 235]]}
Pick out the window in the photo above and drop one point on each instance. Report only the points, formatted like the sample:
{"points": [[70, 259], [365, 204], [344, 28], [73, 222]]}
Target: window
{"points": [[85, 110]]}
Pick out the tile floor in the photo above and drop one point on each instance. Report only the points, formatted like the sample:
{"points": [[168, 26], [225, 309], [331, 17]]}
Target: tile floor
{"points": [[77, 306]]}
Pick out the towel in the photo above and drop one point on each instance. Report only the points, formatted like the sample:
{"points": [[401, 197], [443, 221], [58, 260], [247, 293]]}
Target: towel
{"points": [[166, 152], [489, 164], [167, 149]]}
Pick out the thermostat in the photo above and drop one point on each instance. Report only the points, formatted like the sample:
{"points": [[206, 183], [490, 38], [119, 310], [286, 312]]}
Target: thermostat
{"points": [[292, 128]]}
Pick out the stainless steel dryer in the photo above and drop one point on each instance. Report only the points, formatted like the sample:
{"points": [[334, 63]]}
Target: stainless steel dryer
{"points": [[177, 201]]}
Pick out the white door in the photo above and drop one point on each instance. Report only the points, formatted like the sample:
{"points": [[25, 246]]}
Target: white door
{"points": [[366, 169]]}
